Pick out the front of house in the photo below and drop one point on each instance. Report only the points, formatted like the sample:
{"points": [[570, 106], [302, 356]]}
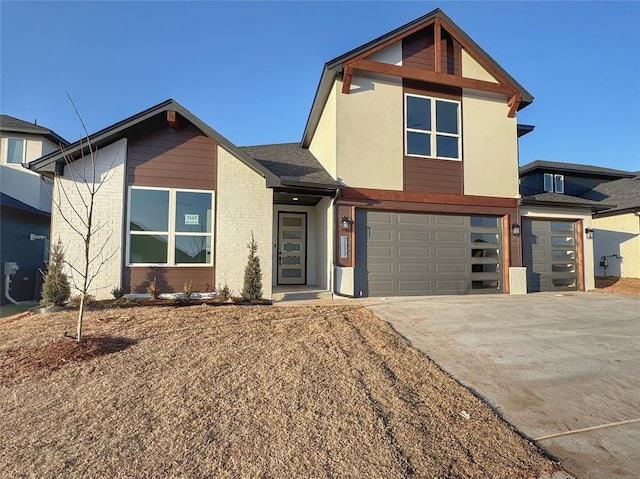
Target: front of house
{"points": [[405, 183]]}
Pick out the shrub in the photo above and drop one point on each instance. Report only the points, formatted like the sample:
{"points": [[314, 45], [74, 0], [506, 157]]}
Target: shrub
{"points": [[152, 289], [55, 289], [117, 293], [88, 300], [223, 294], [187, 291], [252, 274]]}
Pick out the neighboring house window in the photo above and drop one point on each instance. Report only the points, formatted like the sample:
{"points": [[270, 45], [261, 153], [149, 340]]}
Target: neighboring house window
{"points": [[553, 183], [170, 227], [432, 127], [15, 150]]}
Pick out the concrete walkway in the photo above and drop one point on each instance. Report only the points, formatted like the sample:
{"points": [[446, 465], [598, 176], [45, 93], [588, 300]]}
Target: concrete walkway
{"points": [[563, 369]]}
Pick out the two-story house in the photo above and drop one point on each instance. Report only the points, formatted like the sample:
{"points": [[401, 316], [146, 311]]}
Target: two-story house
{"points": [[405, 182], [592, 210], [25, 201]]}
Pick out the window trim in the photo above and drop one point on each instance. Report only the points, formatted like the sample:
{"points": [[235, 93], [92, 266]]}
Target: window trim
{"points": [[433, 133], [24, 151], [553, 178], [171, 232]]}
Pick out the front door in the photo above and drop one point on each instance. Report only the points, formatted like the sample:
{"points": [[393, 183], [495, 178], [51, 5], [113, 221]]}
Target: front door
{"points": [[292, 229]]}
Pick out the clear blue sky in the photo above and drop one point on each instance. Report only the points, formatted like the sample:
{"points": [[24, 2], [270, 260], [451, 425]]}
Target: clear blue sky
{"points": [[250, 69]]}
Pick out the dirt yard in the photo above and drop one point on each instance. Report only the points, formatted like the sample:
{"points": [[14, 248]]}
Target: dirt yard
{"points": [[615, 285], [240, 392]]}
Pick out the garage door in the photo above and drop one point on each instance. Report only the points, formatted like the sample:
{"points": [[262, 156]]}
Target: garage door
{"points": [[402, 254], [549, 251]]}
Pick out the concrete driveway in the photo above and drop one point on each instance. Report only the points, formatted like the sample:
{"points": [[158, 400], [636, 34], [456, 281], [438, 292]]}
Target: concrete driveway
{"points": [[563, 369]]}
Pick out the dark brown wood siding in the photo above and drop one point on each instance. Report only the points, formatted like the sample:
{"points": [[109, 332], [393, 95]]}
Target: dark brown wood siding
{"points": [[418, 51], [168, 279], [182, 157], [433, 176]]}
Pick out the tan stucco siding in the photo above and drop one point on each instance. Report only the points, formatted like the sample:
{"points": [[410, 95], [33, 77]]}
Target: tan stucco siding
{"points": [[490, 146], [369, 133], [472, 69], [243, 206], [107, 218], [567, 213], [323, 143], [391, 54], [618, 235]]}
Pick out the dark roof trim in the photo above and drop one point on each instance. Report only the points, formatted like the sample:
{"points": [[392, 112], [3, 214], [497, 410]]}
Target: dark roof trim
{"points": [[10, 124], [118, 130], [333, 67], [524, 129], [614, 212], [568, 203], [10, 202], [574, 168]]}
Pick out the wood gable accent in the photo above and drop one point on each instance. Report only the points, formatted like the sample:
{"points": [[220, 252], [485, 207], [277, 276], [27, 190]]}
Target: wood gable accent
{"points": [[432, 52]]}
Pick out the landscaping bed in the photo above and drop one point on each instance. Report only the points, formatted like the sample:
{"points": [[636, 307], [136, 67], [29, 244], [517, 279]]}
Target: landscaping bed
{"points": [[200, 391]]}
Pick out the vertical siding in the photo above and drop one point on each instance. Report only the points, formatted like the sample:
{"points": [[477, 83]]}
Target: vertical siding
{"points": [[418, 51], [161, 156]]}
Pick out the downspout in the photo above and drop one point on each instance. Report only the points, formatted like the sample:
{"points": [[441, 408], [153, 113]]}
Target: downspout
{"points": [[7, 281]]}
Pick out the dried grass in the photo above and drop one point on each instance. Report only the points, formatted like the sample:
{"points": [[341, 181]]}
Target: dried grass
{"points": [[243, 392]]}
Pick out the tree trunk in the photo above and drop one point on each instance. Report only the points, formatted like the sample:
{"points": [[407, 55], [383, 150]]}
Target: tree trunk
{"points": [[80, 313]]}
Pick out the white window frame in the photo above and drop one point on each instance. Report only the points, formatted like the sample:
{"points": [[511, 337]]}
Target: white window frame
{"points": [[433, 133], [171, 233], [557, 183], [24, 151]]}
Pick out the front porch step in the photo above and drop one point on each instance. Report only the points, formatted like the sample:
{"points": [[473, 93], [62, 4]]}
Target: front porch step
{"points": [[301, 295]]}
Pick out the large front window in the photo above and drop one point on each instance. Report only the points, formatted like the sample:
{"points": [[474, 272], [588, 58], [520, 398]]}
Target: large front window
{"points": [[170, 227], [432, 127]]}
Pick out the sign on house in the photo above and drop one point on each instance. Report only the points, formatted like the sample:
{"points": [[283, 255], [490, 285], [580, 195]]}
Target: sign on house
{"points": [[191, 219]]}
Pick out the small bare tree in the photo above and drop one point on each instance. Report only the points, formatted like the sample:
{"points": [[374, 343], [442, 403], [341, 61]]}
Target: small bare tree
{"points": [[75, 203]]}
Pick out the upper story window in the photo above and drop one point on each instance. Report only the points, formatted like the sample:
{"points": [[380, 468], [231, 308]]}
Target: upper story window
{"points": [[553, 183], [432, 127], [169, 227], [15, 151]]}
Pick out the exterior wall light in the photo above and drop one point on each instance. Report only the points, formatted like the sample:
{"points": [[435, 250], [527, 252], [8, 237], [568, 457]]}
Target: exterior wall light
{"points": [[346, 223], [589, 233], [515, 229]]}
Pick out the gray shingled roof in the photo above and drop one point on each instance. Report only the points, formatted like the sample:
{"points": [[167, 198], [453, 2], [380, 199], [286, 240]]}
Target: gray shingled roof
{"points": [[11, 124], [291, 164], [573, 167], [623, 193], [558, 199]]}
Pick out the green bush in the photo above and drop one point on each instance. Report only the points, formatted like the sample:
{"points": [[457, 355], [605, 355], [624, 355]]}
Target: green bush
{"points": [[117, 293], [252, 274], [224, 293], [55, 289]]}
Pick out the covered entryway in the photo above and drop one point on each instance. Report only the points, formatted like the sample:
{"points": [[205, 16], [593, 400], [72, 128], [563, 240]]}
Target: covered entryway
{"points": [[402, 254], [550, 254]]}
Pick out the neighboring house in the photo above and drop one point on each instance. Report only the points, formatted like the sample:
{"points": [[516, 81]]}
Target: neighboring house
{"points": [[617, 230], [405, 182], [25, 201], [564, 206]]}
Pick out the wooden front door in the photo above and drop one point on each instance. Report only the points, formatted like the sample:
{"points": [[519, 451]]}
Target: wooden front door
{"points": [[292, 258]]}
